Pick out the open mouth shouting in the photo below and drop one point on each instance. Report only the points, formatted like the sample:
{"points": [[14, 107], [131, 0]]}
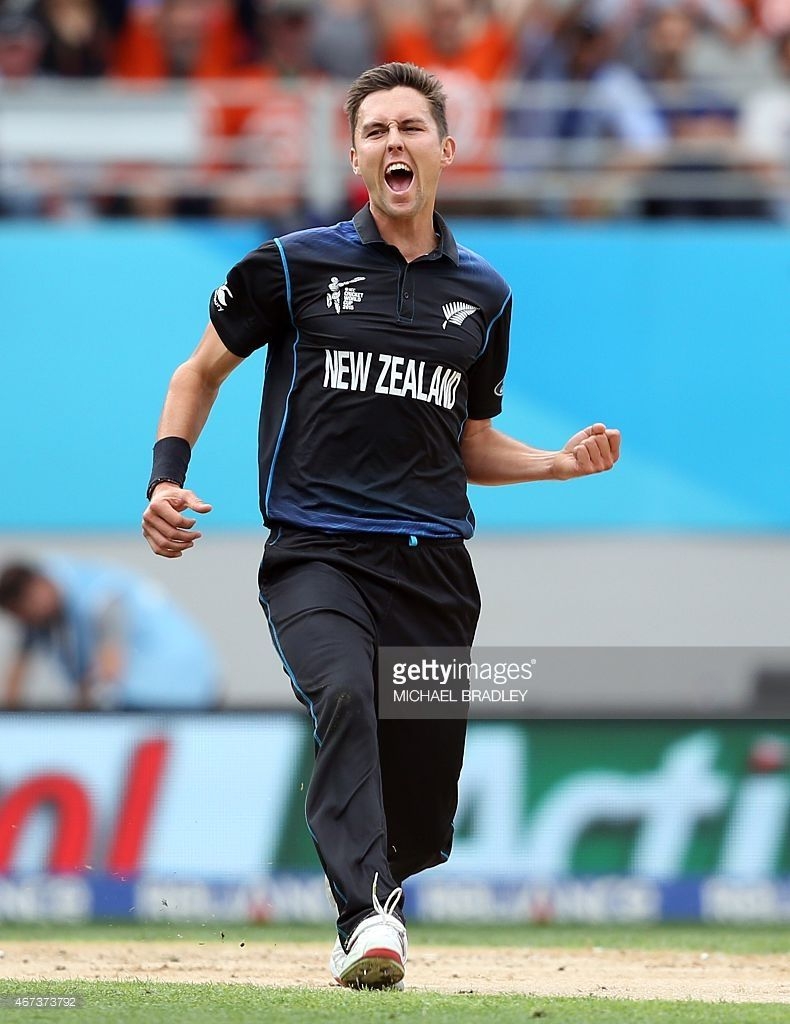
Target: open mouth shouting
{"points": [[398, 177]]}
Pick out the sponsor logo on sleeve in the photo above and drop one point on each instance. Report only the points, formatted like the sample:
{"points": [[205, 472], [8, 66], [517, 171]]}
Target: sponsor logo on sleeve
{"points": [[221, 296]]}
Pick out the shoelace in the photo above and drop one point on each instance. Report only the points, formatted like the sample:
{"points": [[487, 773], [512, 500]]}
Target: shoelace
{"points": [[385, 910]]}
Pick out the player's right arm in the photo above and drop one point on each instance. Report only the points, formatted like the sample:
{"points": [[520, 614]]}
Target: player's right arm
{"points": [[190, 396]]}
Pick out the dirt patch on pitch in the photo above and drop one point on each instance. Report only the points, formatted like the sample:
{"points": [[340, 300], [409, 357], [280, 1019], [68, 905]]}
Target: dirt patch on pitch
{"points": [[609, 973]]}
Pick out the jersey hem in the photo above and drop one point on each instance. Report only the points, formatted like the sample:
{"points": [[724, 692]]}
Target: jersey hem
{"points": [[359, 524]]}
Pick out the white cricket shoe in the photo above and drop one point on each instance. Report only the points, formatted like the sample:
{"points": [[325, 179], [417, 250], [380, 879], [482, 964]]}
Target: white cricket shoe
{"points": [[377, 949], [337, 959]]}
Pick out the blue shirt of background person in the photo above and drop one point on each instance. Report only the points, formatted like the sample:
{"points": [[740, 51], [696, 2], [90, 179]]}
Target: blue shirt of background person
{"points": [[119, 640]]}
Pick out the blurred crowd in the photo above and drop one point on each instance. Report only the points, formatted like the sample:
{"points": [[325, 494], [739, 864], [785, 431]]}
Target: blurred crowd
{"points": [[556, 104]]}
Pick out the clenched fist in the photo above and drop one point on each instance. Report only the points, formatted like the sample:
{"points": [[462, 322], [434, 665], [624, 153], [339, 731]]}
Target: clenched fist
{"points": [[593, 450], [168, 532]]}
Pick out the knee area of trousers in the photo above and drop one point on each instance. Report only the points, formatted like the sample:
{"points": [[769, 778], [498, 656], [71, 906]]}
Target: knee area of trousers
{"points": [[350, 698]]}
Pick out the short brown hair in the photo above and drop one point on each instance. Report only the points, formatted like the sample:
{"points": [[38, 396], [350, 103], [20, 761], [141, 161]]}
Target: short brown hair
{"points": [[14, 582], [390, 76]]}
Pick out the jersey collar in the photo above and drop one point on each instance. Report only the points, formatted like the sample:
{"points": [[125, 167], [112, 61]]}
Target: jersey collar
{"points": [[368, 232]]}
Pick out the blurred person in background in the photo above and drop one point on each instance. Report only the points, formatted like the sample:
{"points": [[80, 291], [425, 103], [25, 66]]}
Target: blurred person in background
{"points": [[764, 130], [196, 40], [345, 37], [690, 105], [771, 16], [472, 46], [262, 119], [41, 42], [468, 36], [727, 45], [26, 188], [595, 116], [179, 39], [78, 38], [22, 42], [118, 640], [726, 48], [702, 175]]}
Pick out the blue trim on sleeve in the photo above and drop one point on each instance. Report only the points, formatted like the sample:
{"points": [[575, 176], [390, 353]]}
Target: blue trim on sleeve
{"points": [[288, 296], [488, 332], [463, 424]]}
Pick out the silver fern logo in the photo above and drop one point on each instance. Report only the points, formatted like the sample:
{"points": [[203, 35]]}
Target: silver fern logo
{"points": [[456, 313], [221, 296]]}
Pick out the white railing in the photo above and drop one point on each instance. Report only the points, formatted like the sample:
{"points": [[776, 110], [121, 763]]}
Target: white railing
{"points": [[60, 138]]}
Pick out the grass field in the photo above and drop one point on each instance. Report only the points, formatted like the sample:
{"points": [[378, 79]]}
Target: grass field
{"points": [[705, 938], [154, 1001], [150, 1003]]}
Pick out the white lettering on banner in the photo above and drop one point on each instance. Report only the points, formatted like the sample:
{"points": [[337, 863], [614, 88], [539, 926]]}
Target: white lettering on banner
{"points": [[593, 900], [666, 805], [45, 898], [297, 899], [280, 897], [464, 901], [496, 840], [729, 899], [190, 901], [397, 375], [607, 899], [757, 827], [669, 802]]}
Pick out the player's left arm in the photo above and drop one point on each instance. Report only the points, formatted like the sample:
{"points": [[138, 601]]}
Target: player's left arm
{"points": [[491, 457]]}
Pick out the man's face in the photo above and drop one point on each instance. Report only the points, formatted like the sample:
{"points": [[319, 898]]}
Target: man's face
{"points": [[448, 24], [39, 604], [183, 25], [672, 34], [289, 41], [398, 151], [20, 53]]}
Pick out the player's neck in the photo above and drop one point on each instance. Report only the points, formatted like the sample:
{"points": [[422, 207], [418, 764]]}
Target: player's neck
{"points": [[413, 236]]}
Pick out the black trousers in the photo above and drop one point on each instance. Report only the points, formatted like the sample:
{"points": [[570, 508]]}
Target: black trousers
{"points": [[383, 793]]}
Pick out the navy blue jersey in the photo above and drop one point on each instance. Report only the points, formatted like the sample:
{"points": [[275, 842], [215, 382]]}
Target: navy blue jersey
{"points": [[372, 368]]}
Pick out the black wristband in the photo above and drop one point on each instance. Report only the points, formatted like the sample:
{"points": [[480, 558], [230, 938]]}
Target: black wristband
{"points": [[171, 459]]}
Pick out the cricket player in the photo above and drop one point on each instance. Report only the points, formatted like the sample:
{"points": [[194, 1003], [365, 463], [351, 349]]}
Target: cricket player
{"points": [[387, 347]]}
